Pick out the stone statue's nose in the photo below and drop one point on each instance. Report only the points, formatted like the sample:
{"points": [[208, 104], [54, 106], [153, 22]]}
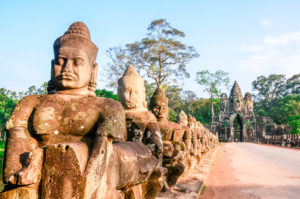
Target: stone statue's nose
{"points": [[68, 66]]}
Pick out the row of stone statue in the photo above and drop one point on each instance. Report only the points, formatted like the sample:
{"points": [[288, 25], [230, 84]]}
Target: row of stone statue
{"points": [[72, 144], [287, 140]]}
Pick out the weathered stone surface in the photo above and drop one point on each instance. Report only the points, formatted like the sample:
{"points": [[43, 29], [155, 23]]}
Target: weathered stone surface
{"points": [[82, 137], [172, 136], [235, 107], [141, 126]]}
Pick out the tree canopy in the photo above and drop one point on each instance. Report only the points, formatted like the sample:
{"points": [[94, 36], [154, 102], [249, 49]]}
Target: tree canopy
{"points": [[212, 83], [160, 56]]}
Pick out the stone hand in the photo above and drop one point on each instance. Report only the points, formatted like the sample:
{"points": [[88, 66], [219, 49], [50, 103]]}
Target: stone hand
{"points": [[29, 174]]}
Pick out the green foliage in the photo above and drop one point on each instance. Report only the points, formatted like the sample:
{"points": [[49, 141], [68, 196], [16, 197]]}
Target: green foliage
{"points": [[213, 81], [293, 85], [161, 56], [294, 122], [187, 101], [106, 94], [269, 88], [9, 99], [277, 97], [172, 115], [7, 105], [2, 144], [280, 109]]}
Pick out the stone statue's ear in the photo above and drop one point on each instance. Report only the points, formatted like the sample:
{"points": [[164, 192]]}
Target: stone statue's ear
{"points": [[145, 104], [51, 87], [93, 81]]}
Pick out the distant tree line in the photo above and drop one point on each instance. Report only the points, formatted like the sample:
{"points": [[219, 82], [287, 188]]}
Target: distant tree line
{"points": [[278, 98]]}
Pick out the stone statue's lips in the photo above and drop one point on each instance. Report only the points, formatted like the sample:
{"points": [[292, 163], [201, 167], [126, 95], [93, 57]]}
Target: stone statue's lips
{"points": [[67, 76], [129, 104], [161, 115]]}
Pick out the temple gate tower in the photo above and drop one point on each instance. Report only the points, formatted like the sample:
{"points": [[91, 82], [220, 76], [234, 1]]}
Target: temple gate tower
{"points": [[236, 118]]}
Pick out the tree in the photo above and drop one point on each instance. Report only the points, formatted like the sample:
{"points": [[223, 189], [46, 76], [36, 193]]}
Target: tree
{"points": [[7, 105], [106, 94], [161, 56], [269, 88], [278, 98], [293, 85], [294, 122], [212, 83]]}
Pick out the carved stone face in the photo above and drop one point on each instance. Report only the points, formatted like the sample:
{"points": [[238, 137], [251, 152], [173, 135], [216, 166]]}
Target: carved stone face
{"points": [[182, 119], [132, 96], [71, 69], [160, 109]]}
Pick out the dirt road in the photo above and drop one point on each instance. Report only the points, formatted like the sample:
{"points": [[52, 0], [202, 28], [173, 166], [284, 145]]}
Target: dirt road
{"points": [[246, 170]]}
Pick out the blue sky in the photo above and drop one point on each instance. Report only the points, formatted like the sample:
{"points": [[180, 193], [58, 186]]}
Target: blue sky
{"points": [[244, 38]]}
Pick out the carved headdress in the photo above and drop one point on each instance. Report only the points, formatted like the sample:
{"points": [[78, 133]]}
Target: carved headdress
{"points": [[159, 95], [132, 78], [182, 118], [131, 74], [77, 36]]}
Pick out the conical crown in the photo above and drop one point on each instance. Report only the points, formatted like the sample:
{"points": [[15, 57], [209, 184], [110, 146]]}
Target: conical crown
{"points": [[159, 95], [77, 36], [131, 74], [235, 92], [181, 116]]}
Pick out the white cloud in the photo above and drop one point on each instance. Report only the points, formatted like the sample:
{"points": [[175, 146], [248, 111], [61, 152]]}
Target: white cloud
{"points": [[282, 39], [266, 23], [274, 54]]}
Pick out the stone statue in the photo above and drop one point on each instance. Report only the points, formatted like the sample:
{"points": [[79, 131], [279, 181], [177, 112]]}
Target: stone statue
{"points": [[182, 120], [172, 134], [141, 124], [70, 144], [195, 136]]}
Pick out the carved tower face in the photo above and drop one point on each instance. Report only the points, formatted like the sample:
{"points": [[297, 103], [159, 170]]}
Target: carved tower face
{"points": [[74, 65], [236, 98], [249, 102], [131, 90], [224, 102], [159, 104]]}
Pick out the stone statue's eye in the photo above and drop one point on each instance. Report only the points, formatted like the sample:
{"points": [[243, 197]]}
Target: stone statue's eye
{"points": [[59, 61], [78, 61]]}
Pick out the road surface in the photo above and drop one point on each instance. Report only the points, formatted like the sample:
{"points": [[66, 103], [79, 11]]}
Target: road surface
{"points": [[245, 170]]}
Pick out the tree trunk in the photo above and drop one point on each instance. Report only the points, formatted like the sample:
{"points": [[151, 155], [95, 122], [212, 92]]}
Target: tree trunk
{"points": [[212, 109]]}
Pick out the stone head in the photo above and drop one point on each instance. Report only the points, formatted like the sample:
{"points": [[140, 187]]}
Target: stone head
{"points": [[191, 121], [182, 118], [74, 66], [131, 90], [248, 97], [159, 104], [224, 96]]}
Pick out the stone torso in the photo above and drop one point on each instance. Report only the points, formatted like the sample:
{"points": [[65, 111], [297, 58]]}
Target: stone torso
{"points": [[142, 127], [66, 115], [62, 118]]}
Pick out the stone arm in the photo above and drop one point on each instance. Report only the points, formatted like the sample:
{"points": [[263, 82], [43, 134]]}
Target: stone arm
{"points": [[187, 138], [23, 158], [152, 138], [111, 126]]}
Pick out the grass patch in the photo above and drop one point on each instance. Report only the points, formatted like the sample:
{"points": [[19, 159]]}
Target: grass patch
{"points": [[203, 189]]}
